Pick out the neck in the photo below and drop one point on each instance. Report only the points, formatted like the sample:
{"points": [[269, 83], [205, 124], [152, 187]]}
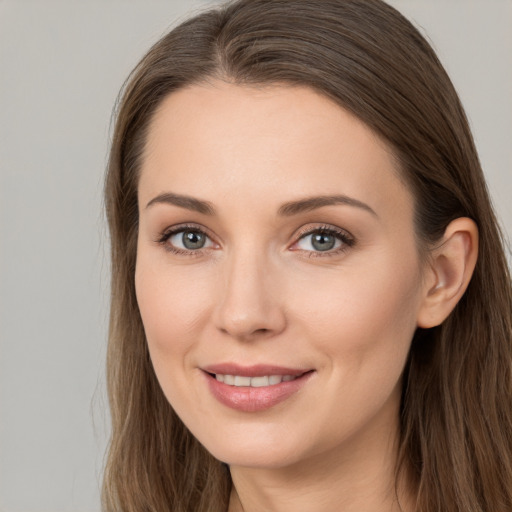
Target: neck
{"points": [[358, 475]]}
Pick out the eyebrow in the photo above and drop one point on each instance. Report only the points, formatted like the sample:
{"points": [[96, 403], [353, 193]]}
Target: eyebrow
{"points": [[190, 203], [312, 203], [286, 210]]}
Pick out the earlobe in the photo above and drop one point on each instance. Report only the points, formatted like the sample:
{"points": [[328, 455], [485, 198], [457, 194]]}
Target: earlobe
{"points": [[451, 266]]}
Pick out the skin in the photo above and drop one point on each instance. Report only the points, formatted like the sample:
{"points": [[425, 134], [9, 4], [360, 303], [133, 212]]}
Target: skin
{"points": [[259, 291]]}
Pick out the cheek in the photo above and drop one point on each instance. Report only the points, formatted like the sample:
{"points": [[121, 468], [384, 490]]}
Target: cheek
{"points": [[362, 316], [173, 303], [360, 325]]}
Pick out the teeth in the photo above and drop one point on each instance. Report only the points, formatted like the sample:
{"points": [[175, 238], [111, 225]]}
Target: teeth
{"points": [[229, 379], [242, 381], [259, 382], [254, 382]]}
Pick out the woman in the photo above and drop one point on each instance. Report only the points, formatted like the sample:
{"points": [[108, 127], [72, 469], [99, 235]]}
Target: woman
{"points": [[311, 306]]}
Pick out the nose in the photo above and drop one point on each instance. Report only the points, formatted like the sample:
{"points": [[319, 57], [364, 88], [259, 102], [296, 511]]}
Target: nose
{"points": [[251, 303]]}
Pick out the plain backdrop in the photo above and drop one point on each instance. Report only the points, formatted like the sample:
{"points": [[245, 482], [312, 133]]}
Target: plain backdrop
{"points": [[61, 66]]}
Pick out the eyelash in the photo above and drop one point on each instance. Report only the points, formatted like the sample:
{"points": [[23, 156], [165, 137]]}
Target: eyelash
{"points": [[346, 239]]}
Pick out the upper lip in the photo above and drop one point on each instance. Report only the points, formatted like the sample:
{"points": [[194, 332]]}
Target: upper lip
{"points": [[258, 370]]}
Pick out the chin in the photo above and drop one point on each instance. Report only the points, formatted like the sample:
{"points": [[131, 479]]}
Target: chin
{"points": [[259, 458], [264, 451]]}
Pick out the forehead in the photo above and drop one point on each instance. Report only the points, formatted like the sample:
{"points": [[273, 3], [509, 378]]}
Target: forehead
{"points": [[269, 143]]}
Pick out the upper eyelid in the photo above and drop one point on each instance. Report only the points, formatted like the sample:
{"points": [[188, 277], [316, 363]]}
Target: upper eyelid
{"points": [[326, 229], [172, 230]]}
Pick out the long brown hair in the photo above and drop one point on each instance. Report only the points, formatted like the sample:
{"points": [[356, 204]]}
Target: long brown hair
{"points": [[456, 411]]}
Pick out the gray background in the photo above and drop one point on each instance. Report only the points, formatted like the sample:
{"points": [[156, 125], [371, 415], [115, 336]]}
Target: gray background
{"points": [[61, 66]]}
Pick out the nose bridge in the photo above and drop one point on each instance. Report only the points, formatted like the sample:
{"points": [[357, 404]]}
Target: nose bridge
{"points": [[250, 304]]}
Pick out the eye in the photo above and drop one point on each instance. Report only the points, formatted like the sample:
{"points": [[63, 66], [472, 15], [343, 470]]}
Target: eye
{"points": [[324, 240], [185, 240], [188, 239], [320, 241]]}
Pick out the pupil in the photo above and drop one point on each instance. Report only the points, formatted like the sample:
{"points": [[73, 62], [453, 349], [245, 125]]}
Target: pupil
{"points": [[193, 240], [323, 242]]}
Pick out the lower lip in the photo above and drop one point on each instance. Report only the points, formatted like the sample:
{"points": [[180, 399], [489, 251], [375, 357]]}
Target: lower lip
{"points": [[249, 399]]}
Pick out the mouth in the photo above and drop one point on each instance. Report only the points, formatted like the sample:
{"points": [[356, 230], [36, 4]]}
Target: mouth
{"points": [[252, 389]]}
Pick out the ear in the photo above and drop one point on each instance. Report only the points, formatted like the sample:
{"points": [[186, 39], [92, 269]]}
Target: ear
{"points": [[448, 272]]}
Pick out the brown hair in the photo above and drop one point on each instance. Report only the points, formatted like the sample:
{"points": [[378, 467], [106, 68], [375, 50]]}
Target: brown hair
{"points": [[456, 411]]}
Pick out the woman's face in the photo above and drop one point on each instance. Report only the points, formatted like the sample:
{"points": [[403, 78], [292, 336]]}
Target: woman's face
{"points": [[276, 253]]}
